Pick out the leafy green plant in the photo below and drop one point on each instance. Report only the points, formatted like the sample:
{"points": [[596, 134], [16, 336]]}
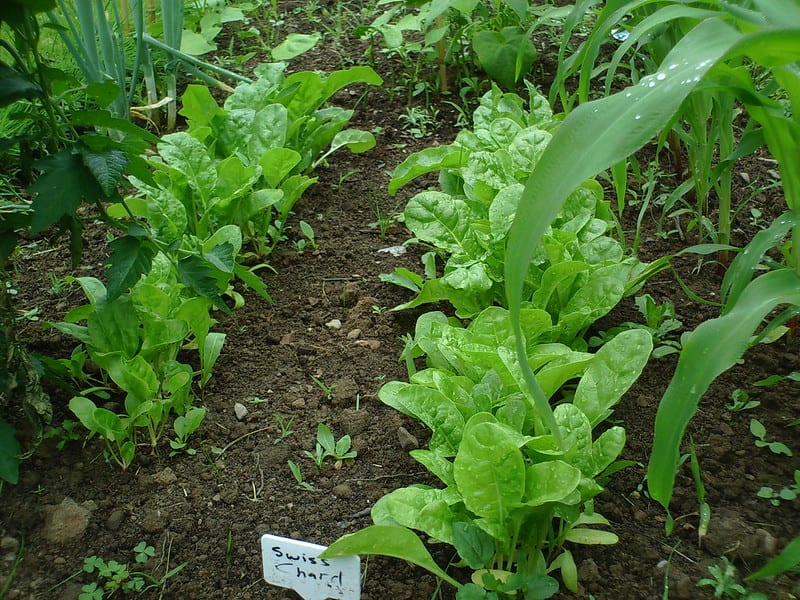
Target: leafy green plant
{"points": [[724, 582], [245, 164], [740, 400], [512, 495], [135, 339], [326, 389], [762, 36], [310, 238], [184, 426], [285, 427], [579, 272], [760, 433]]}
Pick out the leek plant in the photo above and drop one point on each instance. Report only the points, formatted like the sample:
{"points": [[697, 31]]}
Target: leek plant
{"points": [[95, 37], [601, 133]]}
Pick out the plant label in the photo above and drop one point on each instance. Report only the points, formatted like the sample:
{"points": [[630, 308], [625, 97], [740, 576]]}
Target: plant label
{"points": [[294, 564]]}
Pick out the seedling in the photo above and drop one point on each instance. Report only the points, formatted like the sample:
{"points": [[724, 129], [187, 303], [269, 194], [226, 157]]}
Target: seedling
{"points": [[725, 585], [112, 576], [310, 239], [328, 389], [327, 446], [285, 428], [186, 425], [419, 122], [740, 400], [298, 476], [760, 433], [788, 493]]}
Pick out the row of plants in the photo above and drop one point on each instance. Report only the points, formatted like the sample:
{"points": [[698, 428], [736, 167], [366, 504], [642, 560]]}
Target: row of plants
{"points": [[211, 199], [489, 453]]}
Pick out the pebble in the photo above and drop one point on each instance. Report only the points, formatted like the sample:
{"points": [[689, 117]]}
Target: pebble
{"points": [[165, 477], [240, 410], [407, 441], [67, 521], [115, 519], [343, 491], [334, 324], [353, 334]]}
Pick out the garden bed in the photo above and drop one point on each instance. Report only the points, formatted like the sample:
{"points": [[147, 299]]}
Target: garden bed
{"points": [[318, 354]]}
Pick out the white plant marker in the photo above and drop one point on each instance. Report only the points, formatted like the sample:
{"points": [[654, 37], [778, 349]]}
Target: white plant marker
{"points": [[294, 564]]}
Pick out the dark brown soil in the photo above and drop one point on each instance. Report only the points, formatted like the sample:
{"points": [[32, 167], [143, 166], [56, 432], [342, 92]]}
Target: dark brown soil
{"points": [[329, 323]]}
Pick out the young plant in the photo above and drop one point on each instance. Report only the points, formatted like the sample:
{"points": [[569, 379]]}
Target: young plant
{"points": [[724, 582], [512, 495], [298, 477], [327, 446], [184, 426], [285, 428], [760, 433], [788, 493]]}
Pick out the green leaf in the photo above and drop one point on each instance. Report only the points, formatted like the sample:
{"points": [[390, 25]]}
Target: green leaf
{"points": [[711, 349], [505, 55], [439, 218], [10, 452], [387, 540], [430, 159], [130, 258], [113, 327], [582, 535], [196, 274], [417, 507], [549, 481], [294, 45], [64, 181], [199, 106], [489, 469], [15, 86]]}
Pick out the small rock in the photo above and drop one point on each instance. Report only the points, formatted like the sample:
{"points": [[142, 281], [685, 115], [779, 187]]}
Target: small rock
{"points": [[240, 410], [165, 477], [299, 403], [334, 324], [9, 544], [588, 572], [353, 334], [407, 441], [287, 338], [115, 519], [371, 344], [67, 521], [343, 491], [344, 392], [394, 250], [154, 521]]}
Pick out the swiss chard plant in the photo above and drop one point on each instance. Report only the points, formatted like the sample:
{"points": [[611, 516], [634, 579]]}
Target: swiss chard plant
{"points": [[511, 496], [579, 271], [134, 339]]}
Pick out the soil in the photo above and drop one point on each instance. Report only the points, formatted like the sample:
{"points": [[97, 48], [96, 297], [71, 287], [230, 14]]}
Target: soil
{"points": [[318, 354]]}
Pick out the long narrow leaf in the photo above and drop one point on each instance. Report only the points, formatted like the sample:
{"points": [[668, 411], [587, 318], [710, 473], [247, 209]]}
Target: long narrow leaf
{"points": [[710, 350], [592, 138]]}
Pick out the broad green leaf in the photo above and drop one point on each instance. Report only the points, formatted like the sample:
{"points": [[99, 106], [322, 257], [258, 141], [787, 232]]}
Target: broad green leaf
{"points": [[417, 507], [270, 127], [436, 463], [712, 348], [16, 86], [109, 425], [489, 469], [277, 164], [114, 327], [198, 106], [135, 376], [582, 535], [106, 166], [439, 218], [190, 157], [294, 45], [615, 367], [549, 481], [130, 258], [195, 44], [430, 159], [473, 544], [195, 273], [431, 407], [211, 349], [160, 333], [505, 55], [64, 181], [388, 540], [344, 77]]}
